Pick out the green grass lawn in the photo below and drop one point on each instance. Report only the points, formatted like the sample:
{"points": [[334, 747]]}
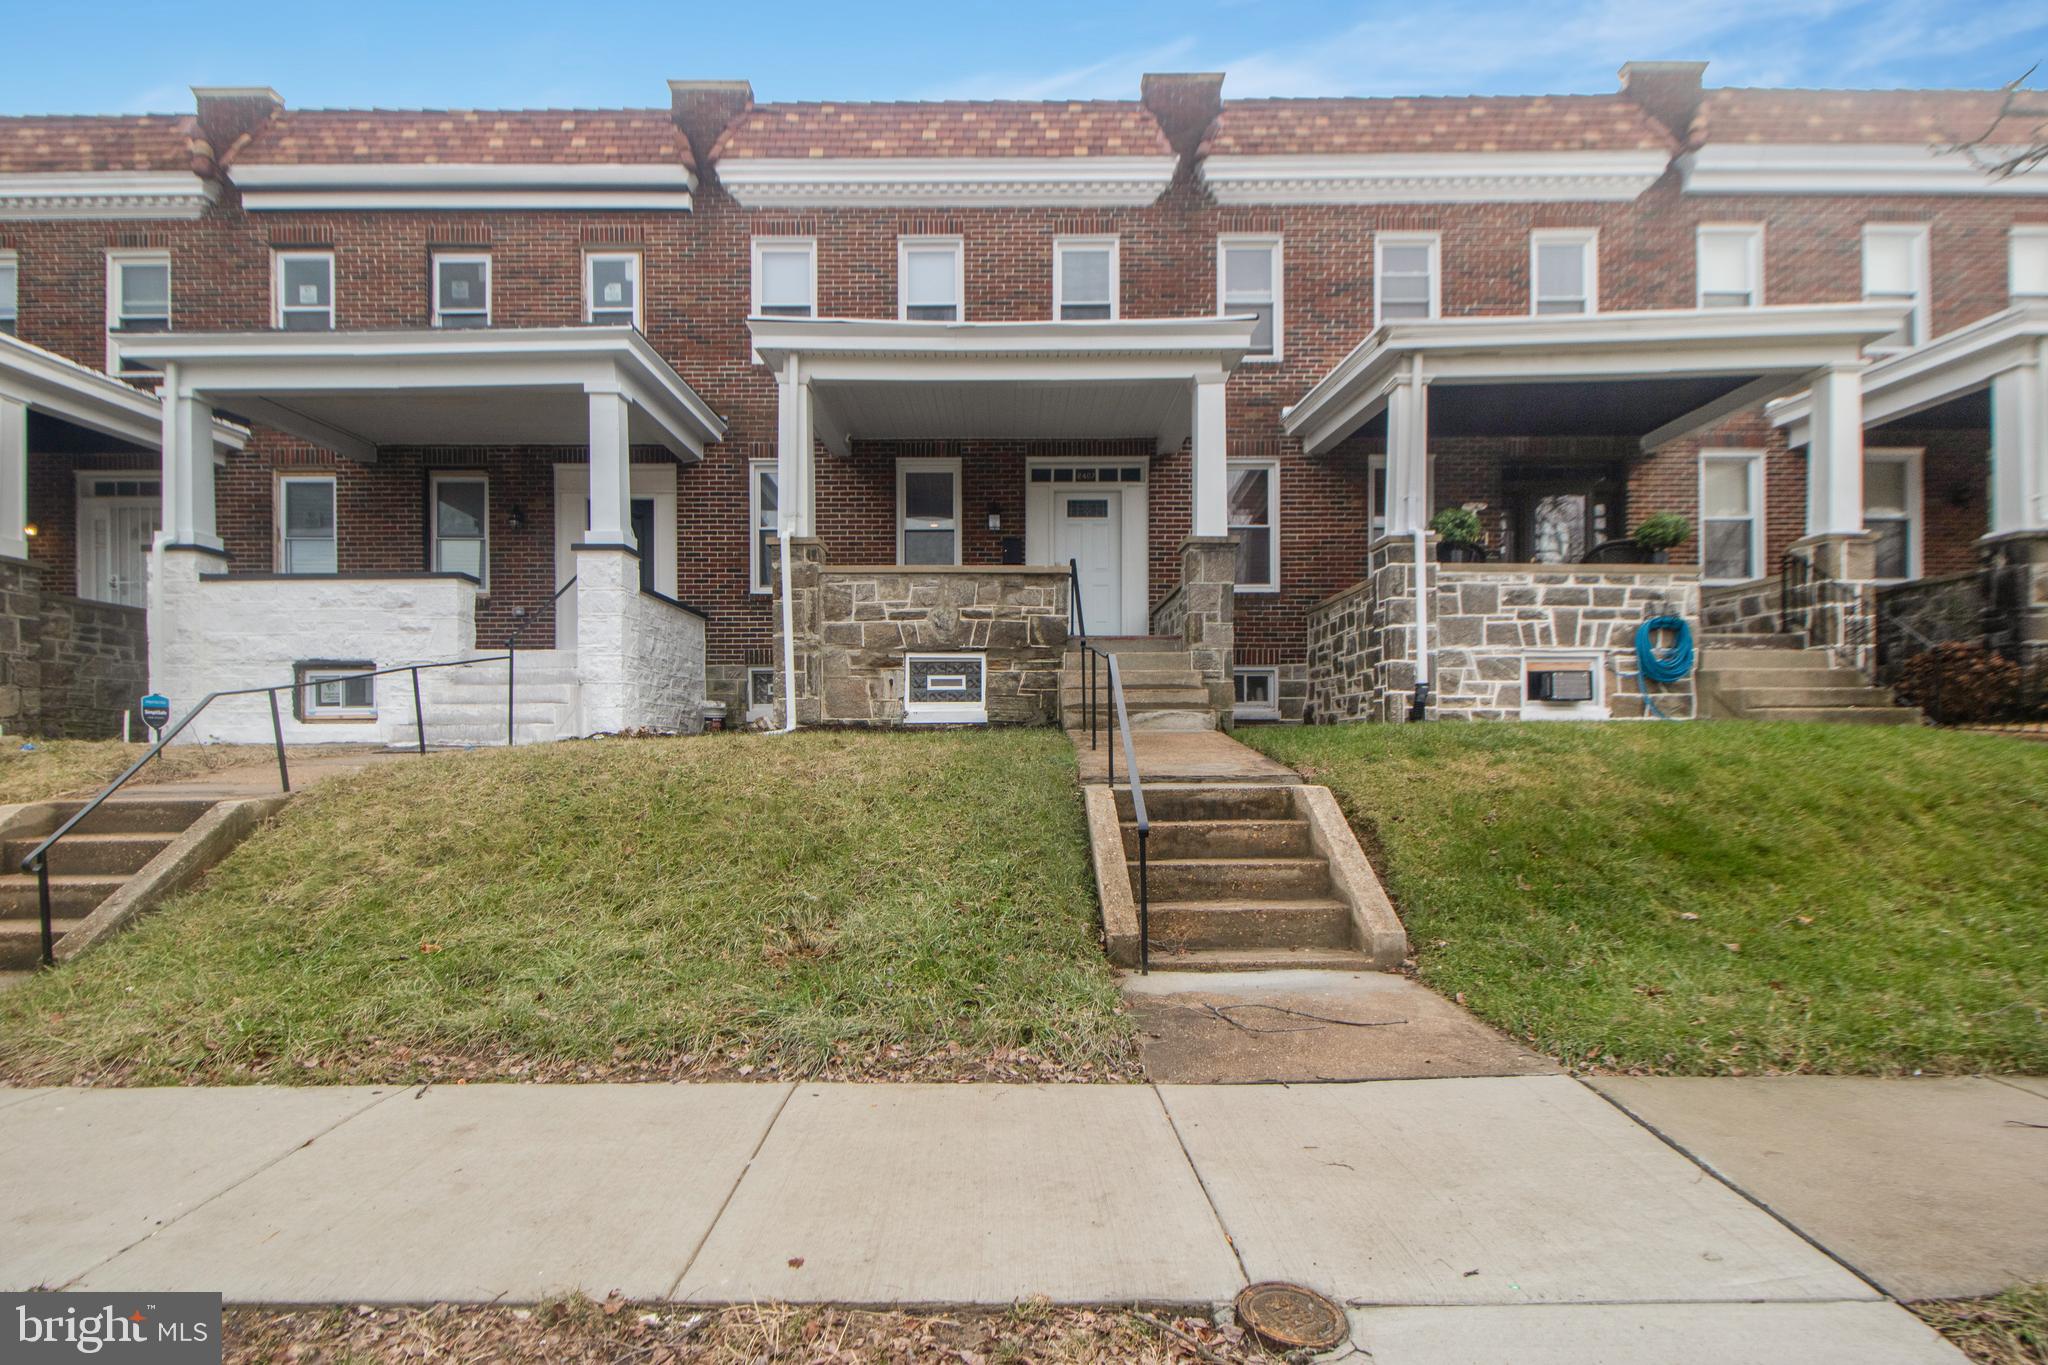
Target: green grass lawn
{"points": [[79, 767], [2011, 1329], [1715, 898], [822, 904]]}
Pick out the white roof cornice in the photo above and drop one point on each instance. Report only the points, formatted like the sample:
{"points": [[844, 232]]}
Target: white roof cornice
{"points": [[1433, 177], [1837, 168], [454, 185], [30, 196], [1217, 341], [948, 182], [49, 383]]}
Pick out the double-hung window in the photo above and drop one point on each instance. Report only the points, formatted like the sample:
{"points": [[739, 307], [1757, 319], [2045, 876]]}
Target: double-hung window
{"points": [[462, 289], [1891, 508], [1730, 268], [1564, 271], [785, 277], [762, 508], [10, 293], [930, 279], [1404, 276], [1255, 520], [1895, 271], [1731, 516], [303, 285], [461, 525], [2028, 269], [611, 287], [339, 691], [1249, 279], [306, 525], [1084, 278], [138, 301], [928, 511]]}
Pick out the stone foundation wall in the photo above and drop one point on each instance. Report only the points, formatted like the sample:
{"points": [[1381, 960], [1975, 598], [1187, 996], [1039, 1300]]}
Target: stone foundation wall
{"points": [[1837, 607], [1170, 617], [1753, 608], [1341, 682], [68, 667]]}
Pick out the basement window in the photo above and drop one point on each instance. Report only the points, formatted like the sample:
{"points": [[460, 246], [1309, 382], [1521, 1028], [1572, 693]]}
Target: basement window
{"points": [[1563, 686], [945, 689], [335, 691], [760, 694], [1257, 693]]}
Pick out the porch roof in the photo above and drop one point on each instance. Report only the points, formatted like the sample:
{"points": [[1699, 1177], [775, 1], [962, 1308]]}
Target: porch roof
{"points": [[891, 380], [47, 383], [1949, 367], [1669, 357], [354, 391]]}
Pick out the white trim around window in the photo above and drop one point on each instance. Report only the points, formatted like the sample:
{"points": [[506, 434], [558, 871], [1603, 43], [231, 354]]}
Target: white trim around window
{"points": [[1895, 269], [1249, 295], [1245, 682], [784, 302], [763, 524], [1090, 301], [1716, 248], [932, 305], [459, 310], [146, 314], [305, 550], [1402, 269], [621, 287], [1908, 513], [1246, 553], [1551, 296], [10, 292], [926, 524], [449, 543], [302, 291], [336, 691], [1751, 514], [2027, 262]]}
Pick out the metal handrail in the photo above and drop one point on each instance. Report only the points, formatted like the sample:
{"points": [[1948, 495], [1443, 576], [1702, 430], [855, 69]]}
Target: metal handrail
{"points": [[1137, 786], [38, 859]]}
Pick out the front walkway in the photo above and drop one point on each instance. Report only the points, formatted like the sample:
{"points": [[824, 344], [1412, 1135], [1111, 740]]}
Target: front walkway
{"points": [[1179, 756], [1443, 1212]]}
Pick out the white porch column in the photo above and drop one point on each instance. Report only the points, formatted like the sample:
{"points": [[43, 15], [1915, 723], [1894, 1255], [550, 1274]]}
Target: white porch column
{"points": [[611, 472], [1834, 458], [796, 478], [1408, 453], [188, 467], [1211, 458], [2019, 449], [13, 479]]}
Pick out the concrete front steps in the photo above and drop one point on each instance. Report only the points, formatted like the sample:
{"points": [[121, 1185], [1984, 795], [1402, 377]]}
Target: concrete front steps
{"points": [[92, 863], [1162, 690], [1774, 677], [465, 707], [1240, 878]]}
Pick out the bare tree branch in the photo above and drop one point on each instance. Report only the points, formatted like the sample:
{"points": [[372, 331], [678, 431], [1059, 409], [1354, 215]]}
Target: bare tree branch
{"points": [[2002, 157]]}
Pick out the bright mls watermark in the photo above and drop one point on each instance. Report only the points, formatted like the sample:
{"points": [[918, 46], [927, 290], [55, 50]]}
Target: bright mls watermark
{"points": [[166, 1329]]}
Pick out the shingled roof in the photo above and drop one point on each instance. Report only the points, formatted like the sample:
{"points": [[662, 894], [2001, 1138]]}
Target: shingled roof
{"points": [[467, 137], [123, 142], [1852, 116], [952, 128], [1480, 123]]}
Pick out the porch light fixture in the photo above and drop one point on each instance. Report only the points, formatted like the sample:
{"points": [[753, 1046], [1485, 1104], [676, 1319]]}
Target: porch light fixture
{"points": [[995, 517], [516, 518], [31, 530]]}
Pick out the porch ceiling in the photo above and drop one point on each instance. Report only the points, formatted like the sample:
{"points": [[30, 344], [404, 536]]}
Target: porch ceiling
{"points": [[355, 391]]}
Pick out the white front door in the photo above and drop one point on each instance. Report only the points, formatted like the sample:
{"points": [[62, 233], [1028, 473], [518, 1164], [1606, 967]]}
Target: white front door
{"points": [[114, 535], [1088, 528]]}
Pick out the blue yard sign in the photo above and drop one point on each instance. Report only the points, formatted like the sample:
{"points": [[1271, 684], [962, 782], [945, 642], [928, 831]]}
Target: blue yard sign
{"points": [[156, 711]]}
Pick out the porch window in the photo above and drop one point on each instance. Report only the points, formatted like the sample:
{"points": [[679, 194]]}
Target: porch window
{"points": [[10, 293], [762, 508], [1376, 495], [1731, 516], [930, 279], [1084, 278], [138, 301], [336, 692], [928, 512], [611, 287], [460, 526], [304, 288], [305, 521], [1254, 503], [1564, 271], [785, 277], [1891, 508], [462, 290], [1895, 271], [1730, 270], [1249, 280], [1405, 276], [2029, 266]]}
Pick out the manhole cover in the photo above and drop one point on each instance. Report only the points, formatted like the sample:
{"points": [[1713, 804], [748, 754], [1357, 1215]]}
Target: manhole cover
{"points": [[1289, 1317]]}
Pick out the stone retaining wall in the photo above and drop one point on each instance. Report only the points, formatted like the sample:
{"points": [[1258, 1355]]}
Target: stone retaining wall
{"points": [[68, 667], [1752, 608], [1341, 685]]}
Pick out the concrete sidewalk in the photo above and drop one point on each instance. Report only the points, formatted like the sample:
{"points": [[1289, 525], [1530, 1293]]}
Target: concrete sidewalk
{"points": [[1448, 1214]]}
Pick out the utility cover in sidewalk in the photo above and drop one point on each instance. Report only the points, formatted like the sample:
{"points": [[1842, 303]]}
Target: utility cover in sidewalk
{"points": [[1288, 1317]]}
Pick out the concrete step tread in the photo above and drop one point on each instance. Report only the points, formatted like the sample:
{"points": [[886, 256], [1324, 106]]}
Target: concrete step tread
{"points": [[1289, 860], [1867, 715], [1235, 823], [1261, 959], [15, 929], [82, 880], [1231, 905]]}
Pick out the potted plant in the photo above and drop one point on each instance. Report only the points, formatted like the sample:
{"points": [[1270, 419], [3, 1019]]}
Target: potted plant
{"points": [[1659, 533], [1460, 538]]}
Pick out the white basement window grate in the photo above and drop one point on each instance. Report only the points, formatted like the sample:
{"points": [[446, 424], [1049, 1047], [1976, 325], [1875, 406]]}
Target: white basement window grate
{"points": [[945, 689]]}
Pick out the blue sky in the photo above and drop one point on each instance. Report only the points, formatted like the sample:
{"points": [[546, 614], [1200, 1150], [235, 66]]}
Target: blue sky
{"points": [[512, 53]]}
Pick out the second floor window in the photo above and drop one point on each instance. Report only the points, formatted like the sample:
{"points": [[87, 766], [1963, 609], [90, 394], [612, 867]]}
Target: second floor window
{"points": [[1895, 271], [785, 277], [138, 301], [1730, 267], [305, 291], [1406, 276], [1084, 283], [611, 287], [1248, 280], [1562, 272], [462, 291], [2029, 266], [929, 279], [305, 526], [10, 293]]}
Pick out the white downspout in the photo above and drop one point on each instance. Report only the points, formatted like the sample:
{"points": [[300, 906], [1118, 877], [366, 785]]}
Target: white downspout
{"points": [[1418, 500], [788, 640]]}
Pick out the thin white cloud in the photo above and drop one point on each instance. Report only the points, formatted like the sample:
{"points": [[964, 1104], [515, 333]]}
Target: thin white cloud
{"points": [[1115, 77]]}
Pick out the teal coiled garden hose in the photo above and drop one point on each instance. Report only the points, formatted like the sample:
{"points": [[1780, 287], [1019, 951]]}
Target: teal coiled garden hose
{"points": [[1662, 665]]}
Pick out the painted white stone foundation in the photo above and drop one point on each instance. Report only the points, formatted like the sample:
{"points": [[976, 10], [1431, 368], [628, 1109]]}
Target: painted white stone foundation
{"points": [[641, 657]]}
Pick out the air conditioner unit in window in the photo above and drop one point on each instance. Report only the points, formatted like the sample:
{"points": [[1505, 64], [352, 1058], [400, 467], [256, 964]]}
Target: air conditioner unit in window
{"points": [[1560, 684]]}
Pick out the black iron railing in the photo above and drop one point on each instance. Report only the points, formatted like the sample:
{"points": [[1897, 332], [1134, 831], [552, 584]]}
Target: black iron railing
{"points": [[38, 859], [1094, 719]]}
